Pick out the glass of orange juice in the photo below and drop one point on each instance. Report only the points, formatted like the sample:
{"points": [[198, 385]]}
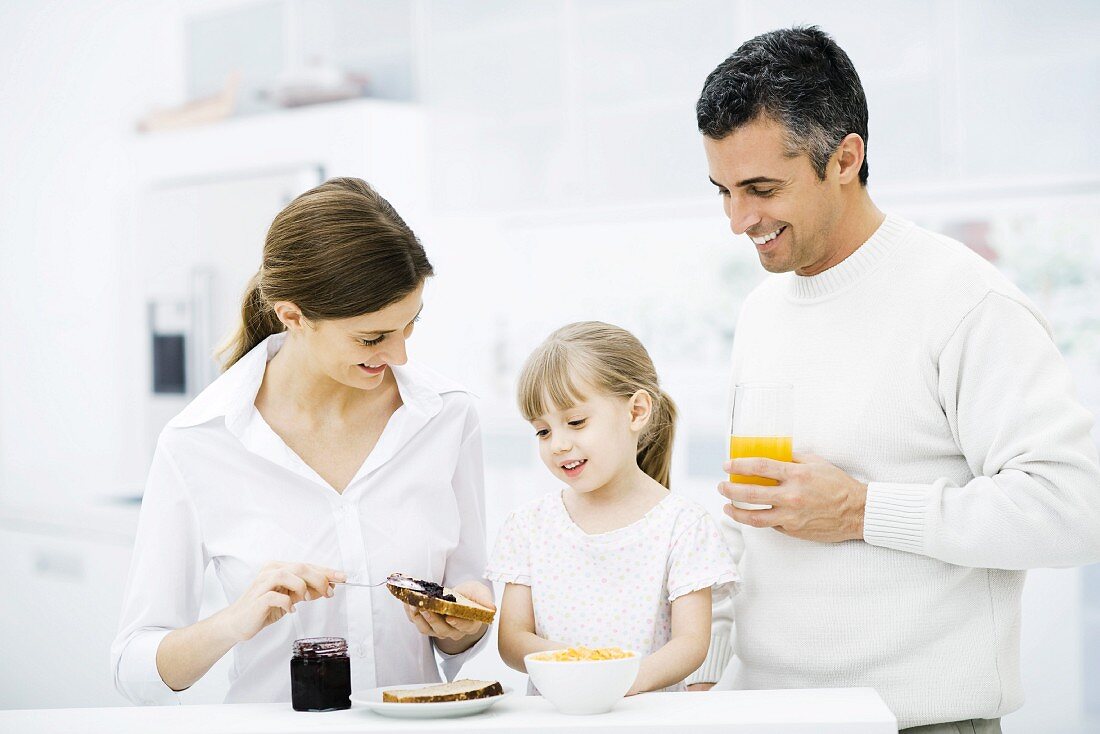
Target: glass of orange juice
{"points": [[762, 425]]}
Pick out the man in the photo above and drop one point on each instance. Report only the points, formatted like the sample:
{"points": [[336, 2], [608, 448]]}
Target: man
{"points": [[948, 452]]}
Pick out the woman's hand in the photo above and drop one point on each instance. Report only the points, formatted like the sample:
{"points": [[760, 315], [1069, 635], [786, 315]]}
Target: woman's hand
{"points": [[453, 635], [273, 594]]}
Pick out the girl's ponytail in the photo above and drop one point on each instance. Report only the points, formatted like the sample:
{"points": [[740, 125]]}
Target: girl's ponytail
{"points": [[258, 322], [655, 447]]}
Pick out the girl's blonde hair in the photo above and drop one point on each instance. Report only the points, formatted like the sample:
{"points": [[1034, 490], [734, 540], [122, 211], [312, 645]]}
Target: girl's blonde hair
{"points": [[611, 360]]}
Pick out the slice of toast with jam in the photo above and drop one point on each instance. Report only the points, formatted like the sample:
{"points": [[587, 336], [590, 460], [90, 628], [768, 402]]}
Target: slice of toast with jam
{"points": [[435, 598]]}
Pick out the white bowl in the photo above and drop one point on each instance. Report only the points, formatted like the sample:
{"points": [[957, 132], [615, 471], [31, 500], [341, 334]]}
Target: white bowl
{"points": [[584, 686]]}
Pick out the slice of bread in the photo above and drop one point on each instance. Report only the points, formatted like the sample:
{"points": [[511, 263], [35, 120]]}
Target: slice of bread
{"points": [[461, 607], [459, 690]]}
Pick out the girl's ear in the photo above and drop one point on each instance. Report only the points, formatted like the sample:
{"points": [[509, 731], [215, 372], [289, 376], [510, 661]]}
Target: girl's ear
{"points": [[641, 408]]}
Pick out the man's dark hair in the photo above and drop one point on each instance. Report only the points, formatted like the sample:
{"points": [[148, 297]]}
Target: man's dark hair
{"points": [[796, 76]]}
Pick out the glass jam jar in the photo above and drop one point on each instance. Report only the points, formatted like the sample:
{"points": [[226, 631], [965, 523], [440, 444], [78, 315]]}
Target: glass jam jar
{"points": [[320, 674]]}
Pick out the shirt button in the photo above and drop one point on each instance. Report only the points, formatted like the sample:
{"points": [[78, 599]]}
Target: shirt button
{"points": [[361, 650]]}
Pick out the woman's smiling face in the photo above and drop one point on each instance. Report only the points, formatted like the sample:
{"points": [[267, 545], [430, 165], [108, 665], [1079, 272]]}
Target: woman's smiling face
{"points": [[357, 351]]}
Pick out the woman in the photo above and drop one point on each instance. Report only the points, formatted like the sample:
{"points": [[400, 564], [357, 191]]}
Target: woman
{"points": [[320, 455]]}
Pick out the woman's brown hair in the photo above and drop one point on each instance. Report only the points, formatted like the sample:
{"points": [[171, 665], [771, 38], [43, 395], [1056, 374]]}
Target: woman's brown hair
{"points": [[609, 359], [337, 251]]}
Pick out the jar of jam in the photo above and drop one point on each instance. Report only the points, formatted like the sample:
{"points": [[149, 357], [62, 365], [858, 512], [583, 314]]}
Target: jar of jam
{"points": [[320, 674]]}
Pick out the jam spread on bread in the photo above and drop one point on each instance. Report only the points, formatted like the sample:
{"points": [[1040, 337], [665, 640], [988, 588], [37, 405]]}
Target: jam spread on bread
{"points": [[427, 588], [434, 590]]}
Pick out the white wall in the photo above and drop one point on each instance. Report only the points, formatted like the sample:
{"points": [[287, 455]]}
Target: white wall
{"points": [[570, 103], [75, 77], [567, 119]]}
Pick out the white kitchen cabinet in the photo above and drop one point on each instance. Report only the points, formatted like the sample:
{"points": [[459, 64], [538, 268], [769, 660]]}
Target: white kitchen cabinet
{"points": [[64, 578], [64, 591]]}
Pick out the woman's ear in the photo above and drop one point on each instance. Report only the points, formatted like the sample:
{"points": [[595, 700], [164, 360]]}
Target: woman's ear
{"points": [[290, 315], [641, 409]]}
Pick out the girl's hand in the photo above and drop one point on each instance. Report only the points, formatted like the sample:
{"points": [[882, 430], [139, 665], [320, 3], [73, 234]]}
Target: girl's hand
{"points": [[273, 594], [452, 628]]}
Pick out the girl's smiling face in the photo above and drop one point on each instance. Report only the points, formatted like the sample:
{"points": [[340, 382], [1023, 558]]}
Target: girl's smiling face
{"points": [[594, 442]]}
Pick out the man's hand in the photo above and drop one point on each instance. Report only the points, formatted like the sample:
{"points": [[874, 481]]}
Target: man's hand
{"points": [[814, 500], [700, 686]]}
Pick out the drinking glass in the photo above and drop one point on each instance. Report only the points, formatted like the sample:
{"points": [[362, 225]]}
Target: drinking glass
{"points": [[762, 425]]}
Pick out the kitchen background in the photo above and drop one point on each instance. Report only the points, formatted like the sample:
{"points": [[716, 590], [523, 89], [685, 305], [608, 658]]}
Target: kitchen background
{"points": [[545, 151]]}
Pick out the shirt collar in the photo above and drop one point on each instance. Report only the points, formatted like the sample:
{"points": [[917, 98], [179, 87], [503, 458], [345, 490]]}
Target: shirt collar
{"points": [[233, 395], [884, 241]]}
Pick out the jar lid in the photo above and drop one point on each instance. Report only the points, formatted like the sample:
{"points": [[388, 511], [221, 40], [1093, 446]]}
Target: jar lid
{"points": [[320, 647]]}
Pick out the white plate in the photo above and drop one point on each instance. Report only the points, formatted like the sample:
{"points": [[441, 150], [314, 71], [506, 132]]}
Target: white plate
{"points": [[372, 699]]}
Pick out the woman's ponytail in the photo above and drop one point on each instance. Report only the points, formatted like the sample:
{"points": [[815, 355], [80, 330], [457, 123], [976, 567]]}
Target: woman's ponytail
{"points": [[337, 251], [258, 322], [655, 447]]}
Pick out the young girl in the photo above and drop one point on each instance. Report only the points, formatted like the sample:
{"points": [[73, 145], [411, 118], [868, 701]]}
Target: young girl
{"points": [[614, 559]]}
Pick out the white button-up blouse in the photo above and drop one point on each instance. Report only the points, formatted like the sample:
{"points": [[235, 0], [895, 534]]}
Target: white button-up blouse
{"points": [[224, 488]]}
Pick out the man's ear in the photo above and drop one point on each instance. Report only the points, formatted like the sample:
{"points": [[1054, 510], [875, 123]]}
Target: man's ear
{"points": [[290, 315], [641, 409], [848, 158]]}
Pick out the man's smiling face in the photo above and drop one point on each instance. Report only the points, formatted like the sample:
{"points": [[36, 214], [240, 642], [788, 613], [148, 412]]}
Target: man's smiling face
{"points": [[775, 197]]}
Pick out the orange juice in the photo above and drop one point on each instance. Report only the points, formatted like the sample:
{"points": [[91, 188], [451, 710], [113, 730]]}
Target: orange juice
{"points": [[768, 447]]}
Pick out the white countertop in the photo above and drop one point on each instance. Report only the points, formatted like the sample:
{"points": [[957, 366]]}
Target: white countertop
{"points": [[107, 519], [818, 711]]}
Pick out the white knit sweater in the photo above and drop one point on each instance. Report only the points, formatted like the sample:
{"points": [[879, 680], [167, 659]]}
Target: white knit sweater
{"points": [[919, 369]]}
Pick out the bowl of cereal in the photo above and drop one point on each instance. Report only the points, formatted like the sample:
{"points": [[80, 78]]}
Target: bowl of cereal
{"points": [[582, 680]]}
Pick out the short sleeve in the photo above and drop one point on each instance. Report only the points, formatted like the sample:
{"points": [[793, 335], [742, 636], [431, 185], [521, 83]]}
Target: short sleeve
{"points": [[510, 562], [700, 559]]}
